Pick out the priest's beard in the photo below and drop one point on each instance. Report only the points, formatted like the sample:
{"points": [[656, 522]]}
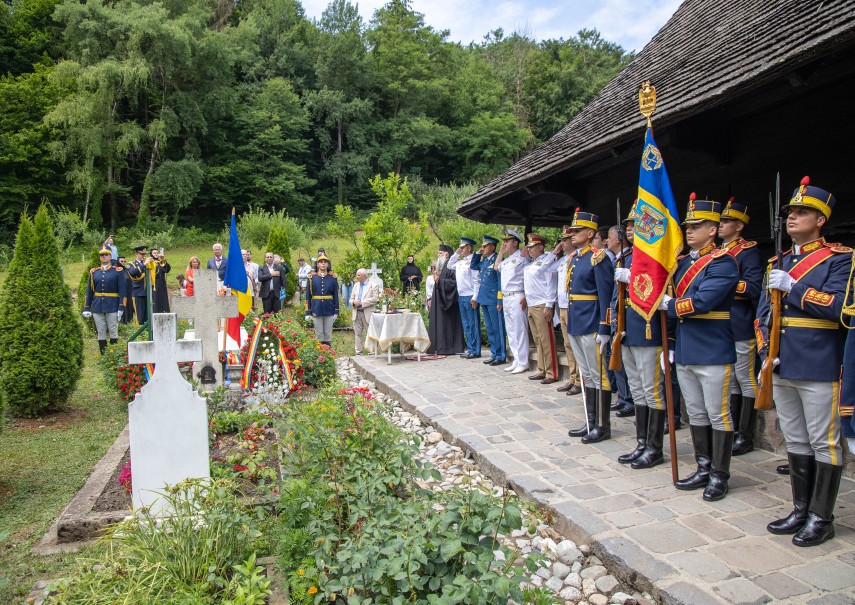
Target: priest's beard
{"points": [[440, 264]]}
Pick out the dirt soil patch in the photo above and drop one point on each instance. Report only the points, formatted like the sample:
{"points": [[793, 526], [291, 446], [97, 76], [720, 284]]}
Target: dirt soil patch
{"points": [[51, 421]]}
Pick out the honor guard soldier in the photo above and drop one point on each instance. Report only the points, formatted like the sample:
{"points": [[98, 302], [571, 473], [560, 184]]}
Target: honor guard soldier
{"points": [[641, 358], [705, 350], [805, 383], [511, 299], [106, 298], [322, 299], [137, 272], [483, 262], [743, 383], [540, 295], [467, 289], [590, 276]]}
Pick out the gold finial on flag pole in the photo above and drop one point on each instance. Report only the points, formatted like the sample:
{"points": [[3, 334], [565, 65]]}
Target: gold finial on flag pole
{"points": [[647, 100]]}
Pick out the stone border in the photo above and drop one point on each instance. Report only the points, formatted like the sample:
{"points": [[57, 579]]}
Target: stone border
{"points": [[624, 560]]}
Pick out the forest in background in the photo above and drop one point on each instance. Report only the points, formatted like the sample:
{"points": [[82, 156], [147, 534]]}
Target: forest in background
{"points": [[171, 112]]}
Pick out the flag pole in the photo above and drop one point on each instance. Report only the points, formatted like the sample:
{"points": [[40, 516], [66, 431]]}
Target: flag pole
{"points": [[669, 396], [226, 329]]}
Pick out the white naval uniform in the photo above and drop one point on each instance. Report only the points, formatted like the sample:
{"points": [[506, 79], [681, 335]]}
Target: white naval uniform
{"points": [[516, 322]]}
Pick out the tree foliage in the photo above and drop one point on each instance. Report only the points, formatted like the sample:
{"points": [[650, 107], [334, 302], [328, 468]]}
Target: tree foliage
{"points": [[154, 111], [40, 335]]}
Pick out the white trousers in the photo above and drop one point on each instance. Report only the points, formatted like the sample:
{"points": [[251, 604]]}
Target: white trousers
{"points": [[744, 378], [706, 389], [644, 375], [516, 324]]}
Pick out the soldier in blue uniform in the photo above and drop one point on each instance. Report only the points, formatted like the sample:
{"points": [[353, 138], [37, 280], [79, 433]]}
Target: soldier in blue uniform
{"points": [[705, 350], [137, 272], [805, 383], [641, 362], [486, 295], [743, 383], [106, 298], [322, 299], [590, 284]]}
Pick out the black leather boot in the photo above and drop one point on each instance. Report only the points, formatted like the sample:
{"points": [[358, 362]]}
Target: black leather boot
{"points": [[591, 410], [802, 474], [819, 526], [603, 430], [735, 410], [652, 455], [640, 435], [114, 341], [722, 449], [743, 442], [102, 345], [783, 469], [702, 442]]}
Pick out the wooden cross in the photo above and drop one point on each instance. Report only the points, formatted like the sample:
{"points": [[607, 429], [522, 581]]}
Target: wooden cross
{"points": [[165, 350], [206, 308]]}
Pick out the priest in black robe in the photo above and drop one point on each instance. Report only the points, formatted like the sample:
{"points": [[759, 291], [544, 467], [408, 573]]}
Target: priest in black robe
{"points": [[446, 328], [159, 290]]}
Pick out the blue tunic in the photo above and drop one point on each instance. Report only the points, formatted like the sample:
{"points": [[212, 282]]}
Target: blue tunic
{"points": [[591, 285], [106, 290], [136, 271], [322, 295], [488, 290], [747, 288], [702, 309], [811, 337], [636, 325]]}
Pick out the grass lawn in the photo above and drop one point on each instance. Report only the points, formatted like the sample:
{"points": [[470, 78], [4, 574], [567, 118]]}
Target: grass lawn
{"points": [[45, 462]]}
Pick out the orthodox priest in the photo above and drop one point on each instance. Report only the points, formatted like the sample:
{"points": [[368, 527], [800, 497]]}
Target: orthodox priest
{"points": [[446, 328]]}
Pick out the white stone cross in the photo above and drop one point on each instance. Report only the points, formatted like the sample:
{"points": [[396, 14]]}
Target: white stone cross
{"points": [[206, 308], [374, 273], [168, 420]]}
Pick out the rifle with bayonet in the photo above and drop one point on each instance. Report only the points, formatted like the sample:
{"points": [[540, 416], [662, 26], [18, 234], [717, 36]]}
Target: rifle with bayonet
{"points": [[616, 363], [773, 344]]}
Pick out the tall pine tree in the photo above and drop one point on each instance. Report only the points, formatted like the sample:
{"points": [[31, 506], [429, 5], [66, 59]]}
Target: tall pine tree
{"points": [[40, 336]]}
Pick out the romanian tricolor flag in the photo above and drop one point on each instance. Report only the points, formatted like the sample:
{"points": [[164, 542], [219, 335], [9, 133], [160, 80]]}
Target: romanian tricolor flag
{"points": [[235, 278], [657, 238]]}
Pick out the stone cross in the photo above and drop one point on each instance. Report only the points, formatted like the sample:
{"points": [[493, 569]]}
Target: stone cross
{"points": [[374, 273], [168, 420], [205, 308]]}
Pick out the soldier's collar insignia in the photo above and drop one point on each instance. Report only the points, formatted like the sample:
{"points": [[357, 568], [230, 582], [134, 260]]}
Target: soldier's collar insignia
{"points": [[814, 245], [706, 250]]}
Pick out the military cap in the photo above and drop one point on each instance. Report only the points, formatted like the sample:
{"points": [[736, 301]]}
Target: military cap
{"points": [[702, 210], [105, 250], [632, 216], [323, 256], [584, 220], [736, 211], [466, 241], [808, 196], [142, 249], [511, 234], [489, 239], [568, 233], [534, 239]]}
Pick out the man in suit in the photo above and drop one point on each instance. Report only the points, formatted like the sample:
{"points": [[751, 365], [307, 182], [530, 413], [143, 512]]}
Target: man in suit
{"points": [[271, 277], [218, 263], [363, 299]]}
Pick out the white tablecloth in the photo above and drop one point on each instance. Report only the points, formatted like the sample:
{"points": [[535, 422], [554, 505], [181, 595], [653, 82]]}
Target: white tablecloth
{"points": [[385, 329]]}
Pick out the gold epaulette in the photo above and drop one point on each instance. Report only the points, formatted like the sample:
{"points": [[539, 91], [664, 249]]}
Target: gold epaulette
{"points": [[598, 255], [718, 253], [747, 244], [839, 248], [331, 274], [94, 269]]}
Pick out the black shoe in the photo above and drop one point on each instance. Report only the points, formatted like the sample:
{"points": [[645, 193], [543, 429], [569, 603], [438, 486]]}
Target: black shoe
{"points": [[819, 526], [640, 436], [470, 356], [603, 430], [627, 411], [102, 346], [590, 410], [783, 469], [489, 362], [722, 450], [702, 442], [114, 341], [652, 455], [574, 390], [743, 442], [616, 406], [498, 362], [802, 474]]}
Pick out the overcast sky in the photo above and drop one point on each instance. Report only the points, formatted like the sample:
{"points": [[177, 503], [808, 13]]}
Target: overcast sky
{"points": [[630, 23]]}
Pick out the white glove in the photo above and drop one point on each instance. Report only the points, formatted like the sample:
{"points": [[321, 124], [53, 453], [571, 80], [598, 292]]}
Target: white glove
{"points": [[663, 306], [780, 280], [775, 362], [602, 340], [119, 315], [622, 275], [662, 358], [334, 317], [86, 314]]}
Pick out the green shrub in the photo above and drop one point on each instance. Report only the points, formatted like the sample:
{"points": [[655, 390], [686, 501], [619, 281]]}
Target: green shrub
{"points": [[40, 335], [203, 552], [223, 423], [68, 227], [254, 228]]}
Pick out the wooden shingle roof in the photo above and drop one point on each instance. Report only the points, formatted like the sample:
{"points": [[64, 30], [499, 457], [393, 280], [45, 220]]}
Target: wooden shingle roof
{"points": [[709, 52]]}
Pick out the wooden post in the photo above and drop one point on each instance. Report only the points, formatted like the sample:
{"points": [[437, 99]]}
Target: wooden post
{"points": [[669, 397]]}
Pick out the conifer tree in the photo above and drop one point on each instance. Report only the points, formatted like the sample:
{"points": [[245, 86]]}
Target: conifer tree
{"points": [[40, 336]]}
